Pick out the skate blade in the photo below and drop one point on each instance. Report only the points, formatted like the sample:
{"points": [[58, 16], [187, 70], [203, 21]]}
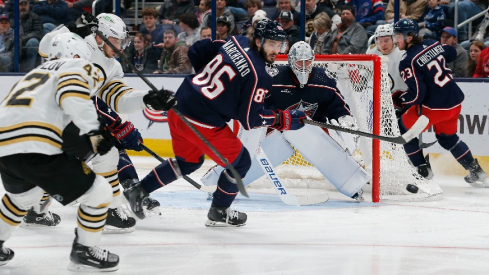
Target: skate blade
{"points": [[4, 262], [479, 184], [210, 223], [108, 229], [86, 268], [155, 212], [35, 225]]}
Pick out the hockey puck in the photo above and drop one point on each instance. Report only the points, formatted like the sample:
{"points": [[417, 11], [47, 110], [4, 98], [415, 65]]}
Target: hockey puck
{"points": [[412, 188]]}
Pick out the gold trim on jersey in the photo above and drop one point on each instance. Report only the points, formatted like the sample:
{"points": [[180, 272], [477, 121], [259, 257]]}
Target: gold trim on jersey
{"points": [[72, 94], [31, 137], [31, 124], [112, 92], [70, 82], [24, 137]]}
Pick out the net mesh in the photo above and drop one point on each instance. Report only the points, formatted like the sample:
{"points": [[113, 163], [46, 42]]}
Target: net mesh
{"points": [[355, 82]]}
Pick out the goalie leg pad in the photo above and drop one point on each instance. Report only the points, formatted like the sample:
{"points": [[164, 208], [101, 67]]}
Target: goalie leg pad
{"points": [[329, 158], [457, 147]]}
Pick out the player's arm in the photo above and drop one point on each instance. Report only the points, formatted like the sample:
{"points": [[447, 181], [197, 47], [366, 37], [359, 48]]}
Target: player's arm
{"points": [[333, 104], [415, 80]]}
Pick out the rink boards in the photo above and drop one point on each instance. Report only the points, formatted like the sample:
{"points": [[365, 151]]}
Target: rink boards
{"points": [[473, 120]]}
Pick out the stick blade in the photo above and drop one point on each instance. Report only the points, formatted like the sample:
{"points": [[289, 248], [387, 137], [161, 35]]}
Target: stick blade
{"points": [[417, 128]]}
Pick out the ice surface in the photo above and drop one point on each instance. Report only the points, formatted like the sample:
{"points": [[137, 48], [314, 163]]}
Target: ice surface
{"points": [[340, 236]]}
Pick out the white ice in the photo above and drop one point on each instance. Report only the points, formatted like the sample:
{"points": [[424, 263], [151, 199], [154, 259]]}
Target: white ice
{"points": [[340, 236]]}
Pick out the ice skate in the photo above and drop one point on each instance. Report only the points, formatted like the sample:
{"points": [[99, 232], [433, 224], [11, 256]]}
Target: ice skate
{"points": [[477, 177], [358, 196], [151, 207], [135, 195], [118, 222], [224, 217], [6, 254], [47, 219], [425, 169], [91, 258]]}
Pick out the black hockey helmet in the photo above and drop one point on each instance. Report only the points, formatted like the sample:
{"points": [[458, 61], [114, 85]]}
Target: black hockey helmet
{"points": [[406, 27], [268, 29]]}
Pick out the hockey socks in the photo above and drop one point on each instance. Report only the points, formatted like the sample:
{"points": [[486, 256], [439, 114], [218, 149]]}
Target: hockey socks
{"points": [[458, 148], [226, 191], [125, 167]]}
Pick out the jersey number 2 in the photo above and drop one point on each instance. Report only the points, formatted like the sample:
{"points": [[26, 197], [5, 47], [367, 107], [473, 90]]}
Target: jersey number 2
{"points": [[16, 100], [439, 71], [211, 79]]}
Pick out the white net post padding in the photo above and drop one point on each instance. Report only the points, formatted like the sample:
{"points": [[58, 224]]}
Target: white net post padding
{"points": [[356, 76]]}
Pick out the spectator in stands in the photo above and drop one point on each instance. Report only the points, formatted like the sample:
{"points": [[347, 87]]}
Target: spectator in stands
{"points": [[152, 28], [205, 33], [433, 22], [322, 26], [413, 9], [287, 5], [475, 51], [259, 15], [313, 9], [459, 66], [482, 68], [77, 7], [170, 10], [467, 9], [221, 10], [349, 37], [480, 35], [203, 10], [52, 13], [252, 6], [293, 32], [144, 57], [367, 12], [6, 44], [222, 30], [190, 28], [32, 32], [269, 3], [174, 58]]}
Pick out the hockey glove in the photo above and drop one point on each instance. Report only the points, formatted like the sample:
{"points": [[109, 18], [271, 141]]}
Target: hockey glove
{"points": [[162, 100], [128, 135], [82, 147], [289, 120], [84, 26], [398, 105]]}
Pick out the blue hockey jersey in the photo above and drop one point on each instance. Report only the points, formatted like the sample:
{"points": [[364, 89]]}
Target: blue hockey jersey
{"points": [[319, 98], [430, 82], [231, 83]]}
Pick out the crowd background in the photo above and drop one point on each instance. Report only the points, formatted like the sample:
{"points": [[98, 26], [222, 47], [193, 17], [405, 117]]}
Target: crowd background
{"points": [[162, 31]]}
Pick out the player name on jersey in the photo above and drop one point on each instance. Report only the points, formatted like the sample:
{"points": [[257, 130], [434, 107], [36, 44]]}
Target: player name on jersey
{"points": [[429, 55], [237, 58]]}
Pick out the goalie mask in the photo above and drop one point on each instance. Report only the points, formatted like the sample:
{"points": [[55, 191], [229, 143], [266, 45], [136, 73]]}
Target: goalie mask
{"points": [[67, 45], [111, 25], [301, 58]]}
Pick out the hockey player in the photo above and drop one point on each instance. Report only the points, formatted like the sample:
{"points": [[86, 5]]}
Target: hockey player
{"points": [[386, 46], [115, 92], [300, 86], [231, 83], [431, 88], [36, 154]]}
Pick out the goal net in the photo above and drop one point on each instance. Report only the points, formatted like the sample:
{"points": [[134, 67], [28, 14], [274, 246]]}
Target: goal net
{"points": [[364, 82]]}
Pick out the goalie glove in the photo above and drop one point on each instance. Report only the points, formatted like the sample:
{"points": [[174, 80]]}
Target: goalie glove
{"points": [[288, 120], [128, 136], [161, 100]]}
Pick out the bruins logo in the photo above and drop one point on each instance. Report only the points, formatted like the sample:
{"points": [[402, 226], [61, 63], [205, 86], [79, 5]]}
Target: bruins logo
{"points": [[86, 169], [309, 27]]}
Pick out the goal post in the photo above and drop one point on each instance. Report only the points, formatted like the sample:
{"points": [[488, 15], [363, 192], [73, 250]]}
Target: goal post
{"points": [[364, 82]]}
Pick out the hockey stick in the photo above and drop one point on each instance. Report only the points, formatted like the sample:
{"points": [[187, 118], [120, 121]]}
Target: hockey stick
{"points": [[420, 138], [417, 128], [236, 176], [277, 183]]}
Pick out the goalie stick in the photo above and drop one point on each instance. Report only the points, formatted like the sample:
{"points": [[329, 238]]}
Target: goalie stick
{"points": [[280, 189], [236, 176], [417, 128]]}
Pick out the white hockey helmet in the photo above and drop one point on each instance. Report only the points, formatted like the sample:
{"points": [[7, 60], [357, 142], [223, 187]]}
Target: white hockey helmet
{"points": [[67, 45], [301, 58], [384, 30], [110, 25]]}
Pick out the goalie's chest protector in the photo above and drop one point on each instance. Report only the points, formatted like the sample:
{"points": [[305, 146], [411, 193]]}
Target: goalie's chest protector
{"points": [[318, 98]]}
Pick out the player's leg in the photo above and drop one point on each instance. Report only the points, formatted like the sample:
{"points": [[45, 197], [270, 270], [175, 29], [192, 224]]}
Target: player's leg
{"points": [[117, 220], [446, 130], [323, 152], [414, 153], [127, 175], [40, 216]]}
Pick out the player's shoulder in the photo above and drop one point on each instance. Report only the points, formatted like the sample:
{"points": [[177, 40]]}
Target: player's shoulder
{"points": [[320, 77], [67, 65], [372, 49]]}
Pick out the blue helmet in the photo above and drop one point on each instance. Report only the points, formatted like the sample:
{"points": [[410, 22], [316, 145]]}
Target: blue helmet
{"points": [[268, 29], [406, 27]]}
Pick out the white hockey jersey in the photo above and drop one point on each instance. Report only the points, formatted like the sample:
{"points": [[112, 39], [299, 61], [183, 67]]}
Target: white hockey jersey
{"points": [[396, 82], [43, 102], [114, 91]]}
